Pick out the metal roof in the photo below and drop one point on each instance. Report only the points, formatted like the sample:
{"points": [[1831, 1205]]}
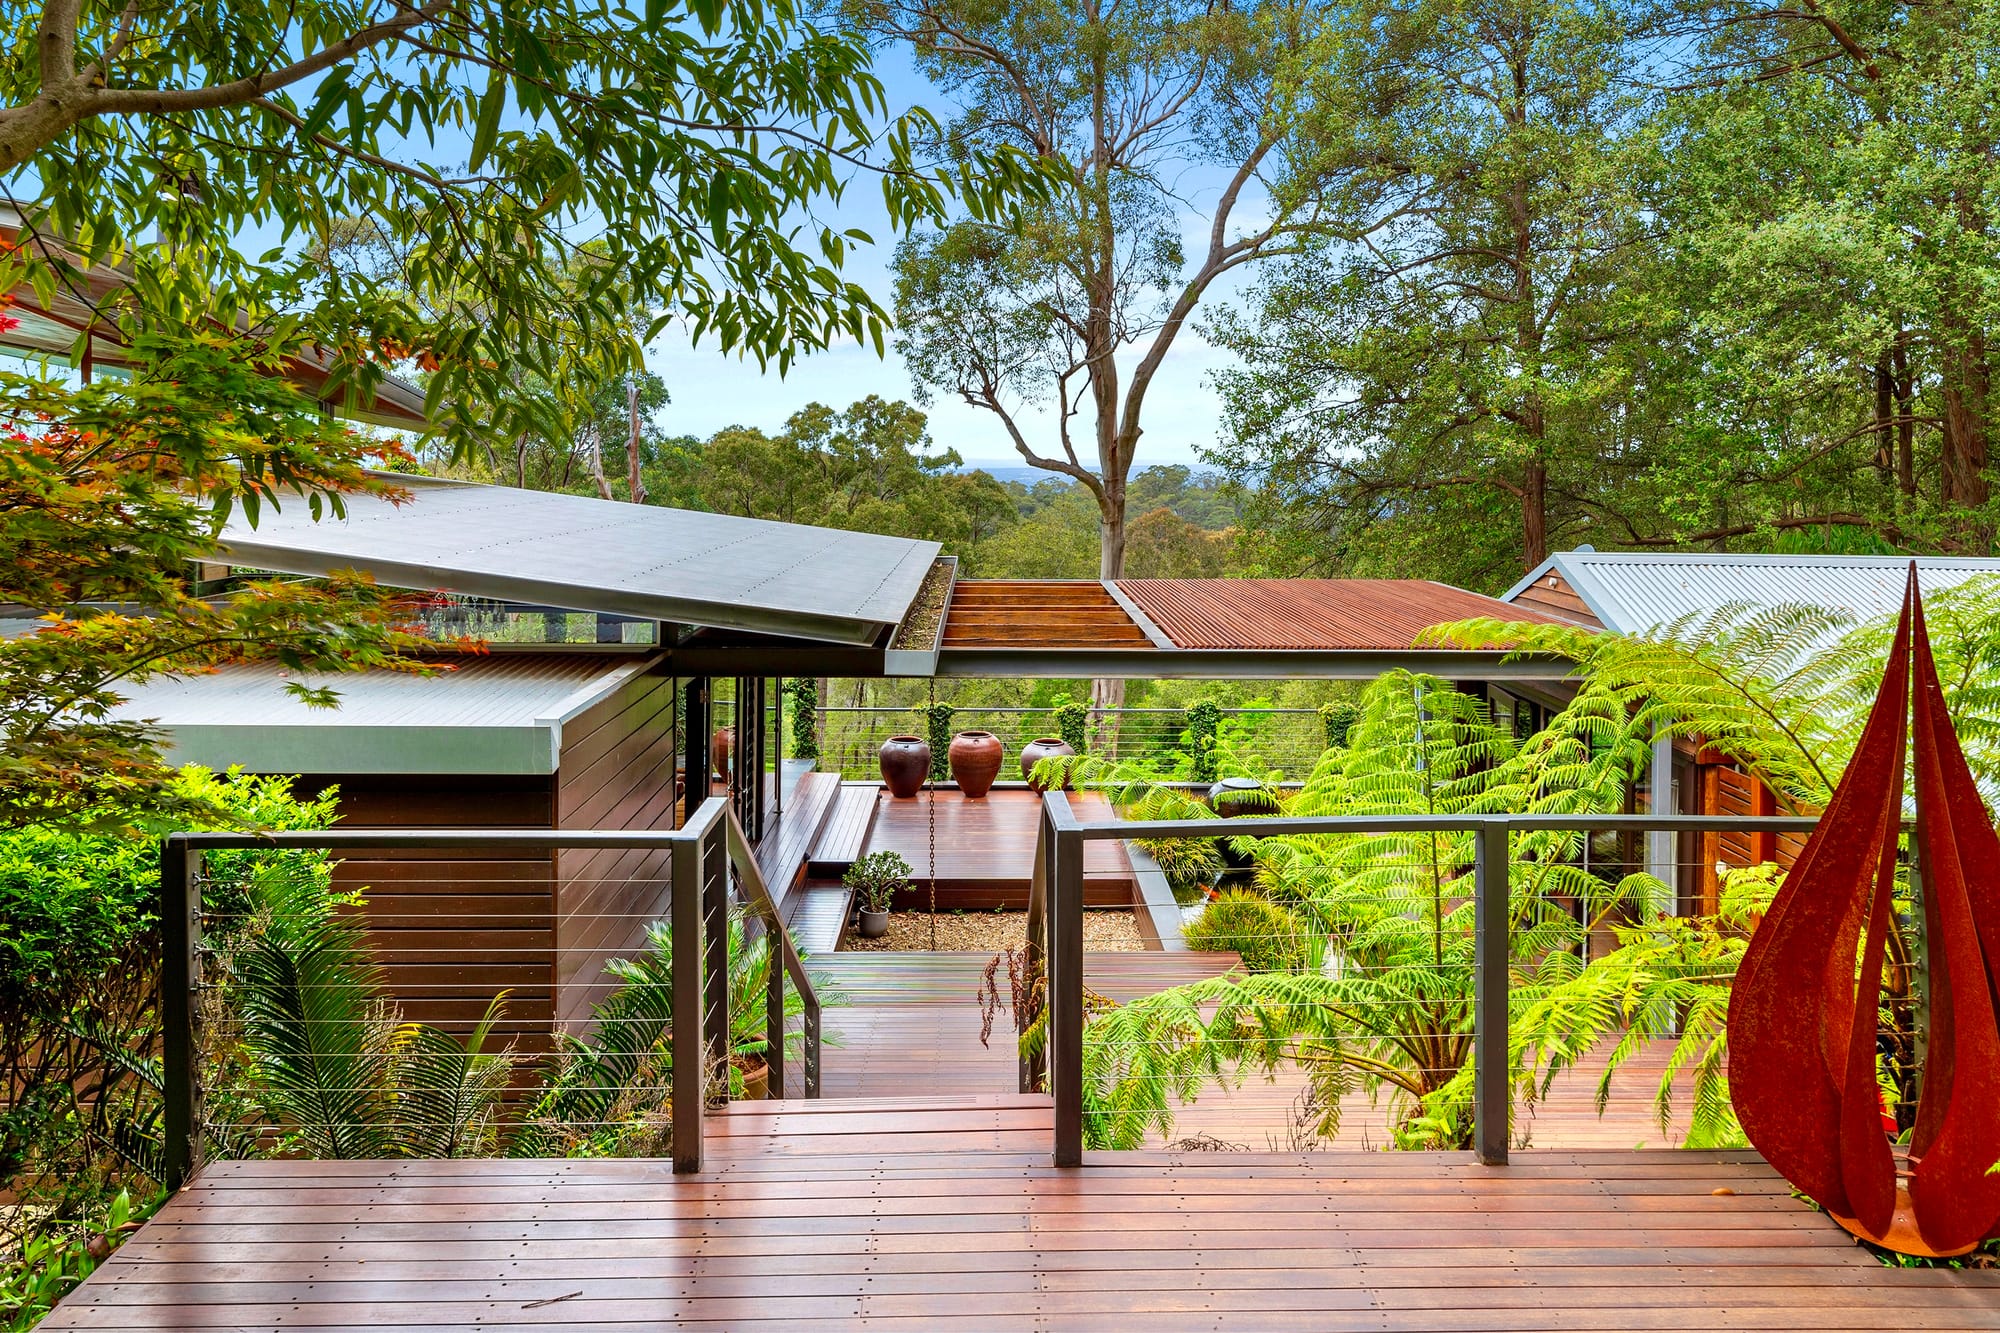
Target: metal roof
{"points": [[1305, 615], [500, 714], [588, 554], [1632, 592]]}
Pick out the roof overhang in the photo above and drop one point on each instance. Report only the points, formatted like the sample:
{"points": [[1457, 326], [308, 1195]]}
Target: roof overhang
{"points": [[671, 565], [1250, 664]]}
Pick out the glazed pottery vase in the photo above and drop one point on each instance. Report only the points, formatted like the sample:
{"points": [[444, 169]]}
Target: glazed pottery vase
{"points": [[720, 747], [1043, 747], [906, 762], [975, 762]]}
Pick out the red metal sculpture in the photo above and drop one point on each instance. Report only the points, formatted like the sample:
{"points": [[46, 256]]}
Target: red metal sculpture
{"points": [[1802, 1016]]}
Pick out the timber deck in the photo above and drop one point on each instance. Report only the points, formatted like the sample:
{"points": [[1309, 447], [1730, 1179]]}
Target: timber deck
{"points": [[986, 848], [926, 1212]]}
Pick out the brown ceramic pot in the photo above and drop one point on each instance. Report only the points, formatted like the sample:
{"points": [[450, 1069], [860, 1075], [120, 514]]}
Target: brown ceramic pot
{"points": [[1043, 747], [975, 762], [906, 762], [720, 747]]}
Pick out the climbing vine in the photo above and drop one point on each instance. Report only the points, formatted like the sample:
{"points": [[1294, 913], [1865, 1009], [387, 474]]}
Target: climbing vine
{"points": [[1204, 723], [805, 716], [1338, 718], [1073, 724], [937, 723]]}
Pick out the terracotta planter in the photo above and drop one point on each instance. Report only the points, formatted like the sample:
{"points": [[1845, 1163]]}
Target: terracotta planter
{"points": [[720, 747], [906, 762], [975, 762], [1043, 747], [756, 1079]]}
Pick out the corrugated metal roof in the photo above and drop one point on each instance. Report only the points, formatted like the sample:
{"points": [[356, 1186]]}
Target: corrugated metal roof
{"points": [[1633, 592], [499, 714], [1306, 615], [674, 565]]}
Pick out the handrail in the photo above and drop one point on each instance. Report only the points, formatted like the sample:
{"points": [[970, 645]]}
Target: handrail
{"points": [[1059, 848], [698, 876], [752, 879]]}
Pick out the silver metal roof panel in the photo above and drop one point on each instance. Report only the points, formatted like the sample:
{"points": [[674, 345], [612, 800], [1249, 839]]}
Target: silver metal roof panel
{"points": [[674, 565], [500, 714], [1636, 591]]}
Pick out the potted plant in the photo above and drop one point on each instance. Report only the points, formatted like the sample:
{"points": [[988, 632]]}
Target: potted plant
{"points": [[876, 880]]}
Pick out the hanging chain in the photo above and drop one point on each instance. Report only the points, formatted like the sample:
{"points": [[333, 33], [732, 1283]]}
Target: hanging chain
{"points": [[930, 713]]}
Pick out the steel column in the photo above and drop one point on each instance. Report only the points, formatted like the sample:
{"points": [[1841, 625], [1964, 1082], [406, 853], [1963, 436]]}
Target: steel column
{"points": [[774, 1009], [180, 979], [1065, 997], [1490, 950], [690, 1094], [715, 900]]}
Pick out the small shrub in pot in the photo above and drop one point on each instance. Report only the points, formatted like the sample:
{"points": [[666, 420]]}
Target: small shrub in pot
{"points": [[876, 880]]}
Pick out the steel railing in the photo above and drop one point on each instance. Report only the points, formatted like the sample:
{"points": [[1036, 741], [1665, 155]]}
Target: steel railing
{"points": [[1055, 931], [701, 855]]}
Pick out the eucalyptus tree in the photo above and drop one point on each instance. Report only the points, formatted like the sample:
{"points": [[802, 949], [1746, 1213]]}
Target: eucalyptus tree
{"points": [[1145, 110], [1446, 359], [686, 138]]}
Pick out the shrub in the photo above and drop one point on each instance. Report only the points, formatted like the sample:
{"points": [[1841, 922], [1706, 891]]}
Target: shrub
{"points": [[79, 946], [805, 716], [877, 878], [1338, 718], [1073, 725], [1269, 938]]}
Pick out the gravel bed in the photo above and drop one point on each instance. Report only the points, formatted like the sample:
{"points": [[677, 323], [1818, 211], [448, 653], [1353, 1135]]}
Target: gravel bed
{"points": [[990, 932]]}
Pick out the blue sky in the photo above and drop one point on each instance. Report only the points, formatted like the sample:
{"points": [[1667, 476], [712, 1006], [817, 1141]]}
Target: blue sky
{"points": [[711, 390]]}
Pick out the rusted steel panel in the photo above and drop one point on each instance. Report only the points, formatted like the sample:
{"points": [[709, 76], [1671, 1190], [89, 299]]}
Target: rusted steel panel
{"points": [[1310, 614]]}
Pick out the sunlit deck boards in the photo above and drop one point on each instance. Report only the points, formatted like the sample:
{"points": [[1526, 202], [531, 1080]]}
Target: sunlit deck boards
{"points": [[906, 1216], [986, 848]]}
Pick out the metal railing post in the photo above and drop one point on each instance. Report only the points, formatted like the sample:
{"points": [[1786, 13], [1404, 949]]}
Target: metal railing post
{"points": [[715, 949], [1035, 951], [180, 976], [1491, 1101], [1065, 973], [689, 1090]]}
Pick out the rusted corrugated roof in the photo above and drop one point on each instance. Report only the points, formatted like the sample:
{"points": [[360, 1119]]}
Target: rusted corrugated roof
{"points": [[1308, 615]]}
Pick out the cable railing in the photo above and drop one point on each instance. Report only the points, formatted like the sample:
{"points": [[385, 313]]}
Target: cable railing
{"points": [[1468, 1016], [377, 1022], [1260, 740]]}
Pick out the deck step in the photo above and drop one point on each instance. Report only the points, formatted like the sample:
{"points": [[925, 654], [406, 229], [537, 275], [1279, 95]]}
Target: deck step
{"points": [[846, 831], [789, 835], [818, 915]]}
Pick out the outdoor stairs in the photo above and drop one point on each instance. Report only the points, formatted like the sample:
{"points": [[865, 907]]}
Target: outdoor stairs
{"points": [[790, 835], [818, 912]]}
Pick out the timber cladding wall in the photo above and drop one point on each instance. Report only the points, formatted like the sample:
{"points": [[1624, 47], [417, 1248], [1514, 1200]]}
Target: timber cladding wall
{"points": [[615, 771], [452, 930]]}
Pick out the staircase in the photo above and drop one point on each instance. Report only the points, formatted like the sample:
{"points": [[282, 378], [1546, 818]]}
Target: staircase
{"points": [[818, 912]]}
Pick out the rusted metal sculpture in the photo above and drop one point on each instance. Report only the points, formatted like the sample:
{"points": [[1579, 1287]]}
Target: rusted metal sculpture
{"points": [[1803, 1014]]}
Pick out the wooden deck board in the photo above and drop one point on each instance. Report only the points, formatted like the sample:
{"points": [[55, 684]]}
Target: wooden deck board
{"points": [[986, 848], [784, 1230], [846, 833]]}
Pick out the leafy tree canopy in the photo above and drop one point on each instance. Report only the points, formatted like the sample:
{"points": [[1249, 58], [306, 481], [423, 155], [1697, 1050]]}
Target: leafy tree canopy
{"points": [[688, 142]]}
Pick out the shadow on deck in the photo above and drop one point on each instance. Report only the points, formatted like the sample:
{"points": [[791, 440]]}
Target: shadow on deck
{"points": [[842, 1214]]}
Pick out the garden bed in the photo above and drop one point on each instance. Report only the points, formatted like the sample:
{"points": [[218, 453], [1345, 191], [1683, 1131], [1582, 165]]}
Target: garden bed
{"points": [[1106, 931]]}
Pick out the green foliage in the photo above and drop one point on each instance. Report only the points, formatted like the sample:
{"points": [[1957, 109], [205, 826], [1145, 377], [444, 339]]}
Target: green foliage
{"points": [[50, 1266], [1392, 912], [1073, 724], [609, 1092], [79, 960], [804, 692], [877, 878], [937, 730], [1204, 719], [1268, 936], [110, 489], [1337, 719], [484, 141], [324, 1058]]}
